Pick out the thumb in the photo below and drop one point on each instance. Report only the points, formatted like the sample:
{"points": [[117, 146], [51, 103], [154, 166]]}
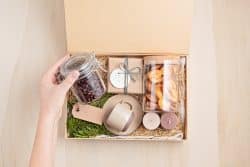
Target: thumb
{"points": [[69, 81]]}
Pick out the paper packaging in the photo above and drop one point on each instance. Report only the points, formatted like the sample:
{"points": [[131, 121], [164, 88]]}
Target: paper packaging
{"points": [[134, 87], [134, 28], [88, 113], [128, 26]]}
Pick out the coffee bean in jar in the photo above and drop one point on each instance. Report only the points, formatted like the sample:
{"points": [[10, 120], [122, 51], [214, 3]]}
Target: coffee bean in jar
{"points": [[89, 86]]}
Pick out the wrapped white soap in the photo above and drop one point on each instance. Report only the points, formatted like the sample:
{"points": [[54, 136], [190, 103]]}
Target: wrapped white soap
{"points": [[151, 121]]}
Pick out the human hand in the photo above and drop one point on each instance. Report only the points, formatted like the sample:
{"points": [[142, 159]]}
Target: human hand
{"points": [[52, 95]]}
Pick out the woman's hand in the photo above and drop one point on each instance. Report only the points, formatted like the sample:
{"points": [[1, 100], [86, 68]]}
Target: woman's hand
{"points": [[52, 98], [52, 95]]}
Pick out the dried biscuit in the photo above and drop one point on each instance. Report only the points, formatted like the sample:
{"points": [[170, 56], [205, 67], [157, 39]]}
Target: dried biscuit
{"points": [[158, 92], [155, 76], [173, 95], [156, 67], [172, 84], [151, 106], [151, 98], [164, 105], [149, 86]]}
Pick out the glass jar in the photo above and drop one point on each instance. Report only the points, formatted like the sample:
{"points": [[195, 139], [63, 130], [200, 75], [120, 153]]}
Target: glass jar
{"points": [[89, 86], [164, 76]]}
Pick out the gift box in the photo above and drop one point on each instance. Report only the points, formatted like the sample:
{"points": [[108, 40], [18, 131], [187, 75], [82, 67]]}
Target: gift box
{"points": [[125, 75], [173, 125], [133, 29]]}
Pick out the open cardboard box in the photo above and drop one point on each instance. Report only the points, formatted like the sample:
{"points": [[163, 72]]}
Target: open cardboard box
{"points": [[133, 28]]}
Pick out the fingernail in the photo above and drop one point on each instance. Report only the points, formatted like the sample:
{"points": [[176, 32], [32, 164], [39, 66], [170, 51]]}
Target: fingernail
{"points": [[75, 74]]}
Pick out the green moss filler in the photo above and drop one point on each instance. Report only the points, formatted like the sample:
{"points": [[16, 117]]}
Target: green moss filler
{"points": [[83, 129]]}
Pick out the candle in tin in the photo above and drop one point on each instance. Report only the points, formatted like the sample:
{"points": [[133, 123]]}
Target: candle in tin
{"points": [[169, 120], [151, 121]]}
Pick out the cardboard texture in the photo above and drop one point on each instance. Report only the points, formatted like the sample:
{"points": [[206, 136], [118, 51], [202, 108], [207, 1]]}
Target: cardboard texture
{"points": [[136, 86], [137, 28], [128, 26], [88, 113]]}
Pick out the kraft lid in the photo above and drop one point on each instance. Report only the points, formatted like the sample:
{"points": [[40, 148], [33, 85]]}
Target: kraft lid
{"points": [[128, 26]]}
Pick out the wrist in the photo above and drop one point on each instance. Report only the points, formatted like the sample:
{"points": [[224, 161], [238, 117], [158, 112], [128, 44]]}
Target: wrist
{"points": [[49, 116], [47, 123]]}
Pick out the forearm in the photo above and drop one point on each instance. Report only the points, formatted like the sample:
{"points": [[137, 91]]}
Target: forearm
{"points": [[45, 142], [52, 97]]}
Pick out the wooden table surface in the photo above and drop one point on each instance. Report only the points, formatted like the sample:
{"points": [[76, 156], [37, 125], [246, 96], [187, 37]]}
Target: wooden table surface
{"points": [[33, 37]]}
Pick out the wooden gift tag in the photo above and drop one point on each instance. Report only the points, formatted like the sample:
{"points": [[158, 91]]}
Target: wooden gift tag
{"points": [[88, 113]]}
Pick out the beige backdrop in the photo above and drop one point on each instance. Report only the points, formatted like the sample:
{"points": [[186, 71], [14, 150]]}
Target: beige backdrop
{"points": [[32, 38]]}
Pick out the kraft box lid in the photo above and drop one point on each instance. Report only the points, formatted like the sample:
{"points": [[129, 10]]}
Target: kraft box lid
{"points": [[135, 26]]}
